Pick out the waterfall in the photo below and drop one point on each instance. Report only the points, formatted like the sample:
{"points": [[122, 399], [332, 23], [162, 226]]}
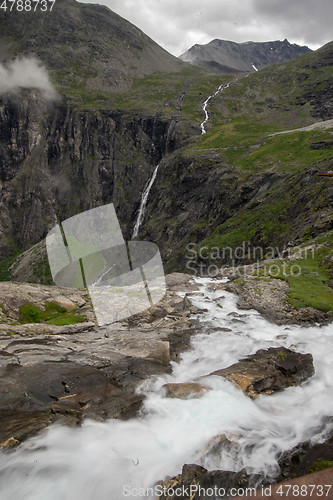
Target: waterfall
{"points": [[205, 104], [117, 459], [143, 203]]}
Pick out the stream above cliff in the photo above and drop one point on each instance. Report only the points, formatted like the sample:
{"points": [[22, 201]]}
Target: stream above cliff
{"points": [[113, 459]]}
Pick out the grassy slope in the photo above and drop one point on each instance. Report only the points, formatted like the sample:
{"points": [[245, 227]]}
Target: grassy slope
{"points": [[309, 271], [242, 119]]}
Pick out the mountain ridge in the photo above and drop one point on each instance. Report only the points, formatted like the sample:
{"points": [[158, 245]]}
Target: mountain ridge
{"points": [[224, 56], [84, 46]]}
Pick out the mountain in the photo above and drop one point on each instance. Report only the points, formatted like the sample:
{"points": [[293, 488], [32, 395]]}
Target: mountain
{"points": [[240, 182], [84, 45], [222, 56], [99, 143]]}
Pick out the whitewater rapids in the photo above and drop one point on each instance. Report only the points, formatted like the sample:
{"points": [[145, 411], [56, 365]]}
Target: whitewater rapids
{"points": [[105, 460]]}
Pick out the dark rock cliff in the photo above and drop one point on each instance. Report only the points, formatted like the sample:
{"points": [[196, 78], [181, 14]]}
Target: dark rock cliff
{"points": [[200, 201], [57, 161]]}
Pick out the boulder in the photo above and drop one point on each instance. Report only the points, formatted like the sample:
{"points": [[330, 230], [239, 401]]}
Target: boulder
{"points": [[185, 391], [268, 371], [303, 458], [199, 484], [180, 282]]}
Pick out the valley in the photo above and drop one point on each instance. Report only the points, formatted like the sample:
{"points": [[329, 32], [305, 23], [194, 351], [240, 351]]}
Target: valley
{"points": [[221, 167]]}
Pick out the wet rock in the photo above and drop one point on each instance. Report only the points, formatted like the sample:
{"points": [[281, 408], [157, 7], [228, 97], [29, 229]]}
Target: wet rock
{"points": [[50, 373], [268, 371], [180, 282], [299, 460], [188, 478], [185, 391], [180, 339], [218, 444], [16, 426], [196, 483], [225, 482]]}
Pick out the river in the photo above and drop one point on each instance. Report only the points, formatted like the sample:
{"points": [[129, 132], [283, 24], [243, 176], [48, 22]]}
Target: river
{"points": [[112, 460]]}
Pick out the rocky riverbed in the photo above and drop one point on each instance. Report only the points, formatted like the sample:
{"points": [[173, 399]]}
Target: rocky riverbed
{"points": [[269, 296], [66, 373]]}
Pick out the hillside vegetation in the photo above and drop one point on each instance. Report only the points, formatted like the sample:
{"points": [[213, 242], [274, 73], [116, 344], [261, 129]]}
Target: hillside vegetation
{"points": [[126, 105]]}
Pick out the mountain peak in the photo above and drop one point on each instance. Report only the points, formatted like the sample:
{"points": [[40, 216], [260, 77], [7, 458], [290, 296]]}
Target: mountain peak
{"points": [[223, 56]]}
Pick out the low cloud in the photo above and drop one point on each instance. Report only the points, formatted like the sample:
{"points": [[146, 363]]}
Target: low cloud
{"points": [[26, 72]]}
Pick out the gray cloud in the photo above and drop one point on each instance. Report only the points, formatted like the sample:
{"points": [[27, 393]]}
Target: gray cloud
{"points": [[179, 24], [25, 72]]}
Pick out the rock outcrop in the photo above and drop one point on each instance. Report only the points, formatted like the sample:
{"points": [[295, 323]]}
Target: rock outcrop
{"points": [[185, 390], [69, 160], [269, 297], [265, 372], [50, 373], [197, 483], [268, 371]]}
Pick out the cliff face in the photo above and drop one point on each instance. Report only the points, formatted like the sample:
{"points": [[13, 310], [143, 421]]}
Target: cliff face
{"points": [[57, 161], [202, 209]]}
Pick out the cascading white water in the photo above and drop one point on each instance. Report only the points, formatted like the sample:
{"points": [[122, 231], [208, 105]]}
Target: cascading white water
{"points": [[112, 460], [143, 203], [205, 104]]}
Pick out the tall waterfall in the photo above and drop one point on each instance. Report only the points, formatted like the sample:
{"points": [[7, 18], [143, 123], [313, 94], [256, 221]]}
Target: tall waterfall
{"points": [[143, 203], [205, 104]]}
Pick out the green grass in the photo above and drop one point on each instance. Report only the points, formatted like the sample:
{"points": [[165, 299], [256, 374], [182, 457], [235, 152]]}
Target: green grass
{"points": [[244, 226], [29, 313], [310, 277], [248, 145], [68, 318], [291, 152], [5, 265], [309, 288], [167, 95], [54, 314], [318, 466]]}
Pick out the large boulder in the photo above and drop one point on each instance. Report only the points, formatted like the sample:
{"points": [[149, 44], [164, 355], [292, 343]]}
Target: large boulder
{"points": [[268, 371]]}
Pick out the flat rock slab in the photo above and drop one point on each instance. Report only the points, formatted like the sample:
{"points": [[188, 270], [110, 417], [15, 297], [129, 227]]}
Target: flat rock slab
{"points": [[268, 371], [15, 295], [50, 373]]}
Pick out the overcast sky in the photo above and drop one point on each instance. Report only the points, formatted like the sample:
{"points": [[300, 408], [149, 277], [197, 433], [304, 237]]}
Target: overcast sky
{"points": [[179, 24]]}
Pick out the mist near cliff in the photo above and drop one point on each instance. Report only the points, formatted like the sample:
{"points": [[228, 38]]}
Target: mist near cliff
{"points": [[26, 72]]}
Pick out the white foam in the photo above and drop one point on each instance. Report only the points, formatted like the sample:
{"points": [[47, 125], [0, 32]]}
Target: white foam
{"points": [[100, 459]]}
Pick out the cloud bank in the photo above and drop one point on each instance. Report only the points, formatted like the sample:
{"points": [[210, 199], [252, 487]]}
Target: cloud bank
{"points": [[26, 72]]}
